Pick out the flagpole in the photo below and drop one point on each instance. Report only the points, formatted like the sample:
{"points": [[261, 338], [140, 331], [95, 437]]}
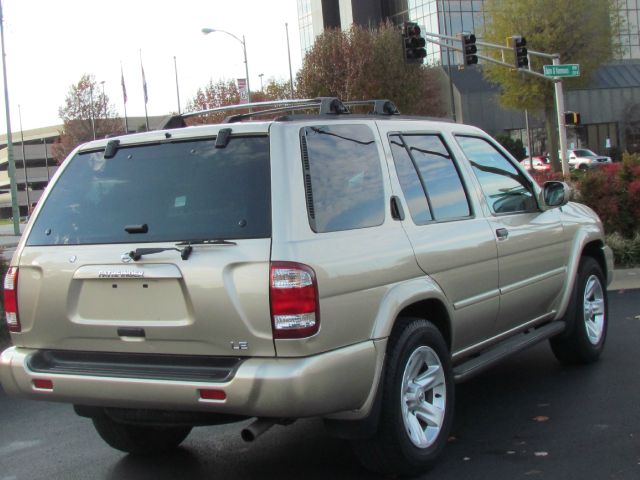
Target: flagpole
{"points": [[124, 98], [144, 91], [175, 66]]}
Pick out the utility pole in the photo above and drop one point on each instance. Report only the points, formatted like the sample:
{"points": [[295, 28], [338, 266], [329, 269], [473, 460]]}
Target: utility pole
{"points": [[15, 209], [175, 67]]}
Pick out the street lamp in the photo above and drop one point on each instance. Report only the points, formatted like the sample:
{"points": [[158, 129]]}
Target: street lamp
{"points": [[207, 31], [261, 87]]}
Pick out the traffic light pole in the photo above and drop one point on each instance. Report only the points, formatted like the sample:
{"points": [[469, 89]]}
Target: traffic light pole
{"points": [[562, 128]]}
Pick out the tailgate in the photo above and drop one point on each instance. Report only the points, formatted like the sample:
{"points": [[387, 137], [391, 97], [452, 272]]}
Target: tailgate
{"points": [[78, 287], [214, 303]]}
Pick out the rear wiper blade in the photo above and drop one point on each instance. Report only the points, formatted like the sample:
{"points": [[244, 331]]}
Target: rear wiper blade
{"points": [[139, 252], [217, 241]]}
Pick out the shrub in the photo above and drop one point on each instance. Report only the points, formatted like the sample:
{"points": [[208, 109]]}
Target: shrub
{"points": [[613, 191], [541, 176], [626, 251]]}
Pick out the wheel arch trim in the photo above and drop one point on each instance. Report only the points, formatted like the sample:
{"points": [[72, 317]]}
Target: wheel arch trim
{"points": [[585, 243], [406, 294]]}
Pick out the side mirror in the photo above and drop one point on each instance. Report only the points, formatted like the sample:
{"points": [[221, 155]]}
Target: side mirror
{"points": [[556, 194]]}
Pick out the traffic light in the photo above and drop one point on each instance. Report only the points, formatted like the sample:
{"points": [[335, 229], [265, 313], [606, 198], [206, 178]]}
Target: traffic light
{"points": [[571, 118], [519, 46], [469, 48], [414, 44]]}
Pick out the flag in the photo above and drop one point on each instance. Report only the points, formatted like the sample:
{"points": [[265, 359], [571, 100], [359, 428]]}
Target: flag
{"points": [[124, 89], [144, 84]]}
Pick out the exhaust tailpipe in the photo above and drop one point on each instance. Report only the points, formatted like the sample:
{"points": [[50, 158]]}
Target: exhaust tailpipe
{"points": [[257, 428]]}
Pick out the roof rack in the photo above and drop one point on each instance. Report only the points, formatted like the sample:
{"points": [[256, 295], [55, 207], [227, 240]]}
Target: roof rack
{"points": [[325, 105]]}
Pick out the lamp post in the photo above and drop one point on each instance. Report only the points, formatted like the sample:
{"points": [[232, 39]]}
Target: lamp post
{"points": [[207, 31], [261, 87]]}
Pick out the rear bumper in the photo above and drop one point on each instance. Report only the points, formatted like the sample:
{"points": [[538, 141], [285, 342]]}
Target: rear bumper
{"points": [[332, 382]]}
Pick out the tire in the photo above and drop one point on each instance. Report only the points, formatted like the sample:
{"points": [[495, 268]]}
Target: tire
{"points": [[139, 439], [584, 167], [414, 421], [587, 318]]}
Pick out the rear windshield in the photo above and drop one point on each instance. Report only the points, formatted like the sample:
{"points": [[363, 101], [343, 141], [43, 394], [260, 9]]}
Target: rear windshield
{"points": [[162, 192]]}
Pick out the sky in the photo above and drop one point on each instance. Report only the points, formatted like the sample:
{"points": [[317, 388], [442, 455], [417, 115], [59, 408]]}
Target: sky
{"points": [[50, 44]]}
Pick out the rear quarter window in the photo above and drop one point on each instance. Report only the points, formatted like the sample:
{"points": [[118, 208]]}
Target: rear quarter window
{"points": [[343, 177]]}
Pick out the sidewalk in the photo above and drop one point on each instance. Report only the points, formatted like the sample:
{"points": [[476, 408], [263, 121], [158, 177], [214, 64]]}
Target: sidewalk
{"points": [[625, 279]]}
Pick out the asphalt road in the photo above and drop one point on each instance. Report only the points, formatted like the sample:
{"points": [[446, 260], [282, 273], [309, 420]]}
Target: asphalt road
{"points": [[527, 418]]}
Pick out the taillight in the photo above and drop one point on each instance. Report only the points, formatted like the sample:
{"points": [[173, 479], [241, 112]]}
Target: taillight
{"points": [[295, 312], [11, 299]]}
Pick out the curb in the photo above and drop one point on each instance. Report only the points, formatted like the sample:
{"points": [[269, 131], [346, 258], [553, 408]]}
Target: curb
{"points": [[625, 279]]}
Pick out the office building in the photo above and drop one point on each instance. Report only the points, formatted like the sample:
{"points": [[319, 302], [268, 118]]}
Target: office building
{"points": [[607, 104], [40, 165]]}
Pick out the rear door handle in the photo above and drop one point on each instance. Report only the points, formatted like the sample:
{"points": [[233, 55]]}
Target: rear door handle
{"points": [[502, 233]]}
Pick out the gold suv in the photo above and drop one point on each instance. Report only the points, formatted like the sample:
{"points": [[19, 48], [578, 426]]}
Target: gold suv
{"points": [[347, 266]]}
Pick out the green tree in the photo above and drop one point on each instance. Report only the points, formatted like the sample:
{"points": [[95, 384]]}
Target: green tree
{"points": [[84, 102], [362, 63], [581, 31]]}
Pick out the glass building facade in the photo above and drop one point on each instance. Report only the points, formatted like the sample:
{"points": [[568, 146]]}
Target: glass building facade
{"points": [[630, 31], [305, 25], [446, 17]]}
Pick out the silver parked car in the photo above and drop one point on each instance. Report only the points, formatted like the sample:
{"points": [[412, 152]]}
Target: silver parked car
{"points": [[583, 158], [349, 267]]}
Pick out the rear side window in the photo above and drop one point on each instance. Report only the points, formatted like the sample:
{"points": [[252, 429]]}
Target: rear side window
{"points": [[429, 178], [505, 188], [179, 191], [342, 177]]}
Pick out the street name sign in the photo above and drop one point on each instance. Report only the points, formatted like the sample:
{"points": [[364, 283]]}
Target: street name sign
{"points": [[566, 70]]}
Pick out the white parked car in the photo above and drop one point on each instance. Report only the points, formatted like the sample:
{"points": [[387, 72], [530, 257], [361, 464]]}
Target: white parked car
{"points": [[584, 158]]}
